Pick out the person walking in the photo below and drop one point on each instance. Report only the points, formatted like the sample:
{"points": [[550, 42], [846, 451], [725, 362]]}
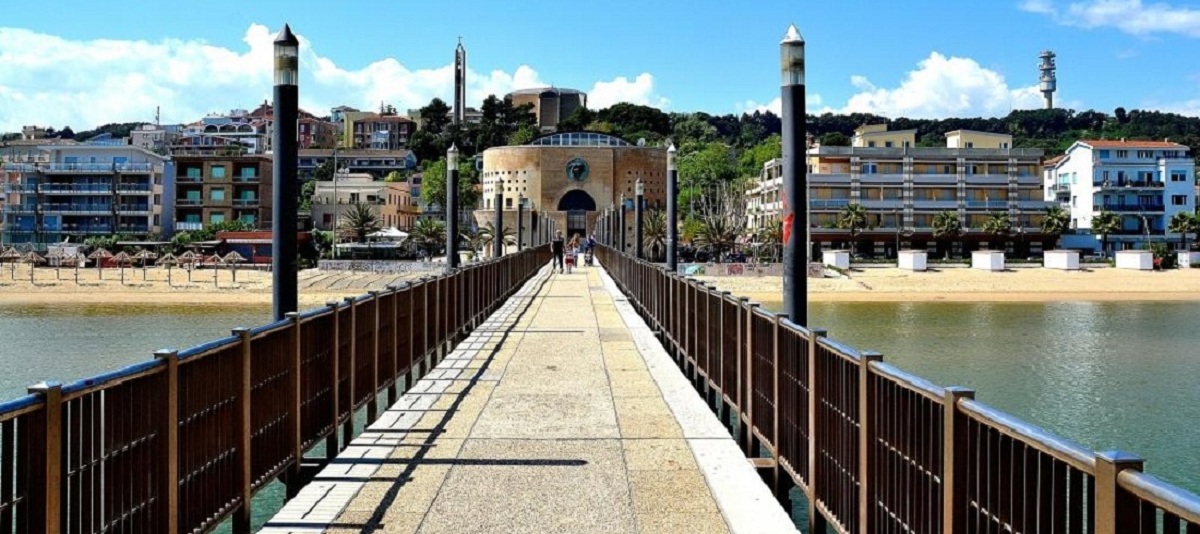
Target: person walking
{"points": [[557, 248]]}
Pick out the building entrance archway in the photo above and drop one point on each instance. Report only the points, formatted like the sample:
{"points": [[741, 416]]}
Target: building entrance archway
{"points": [[576, 204]]}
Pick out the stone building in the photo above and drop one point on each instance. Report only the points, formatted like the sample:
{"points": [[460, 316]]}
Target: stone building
{"points": [[571, 177]]}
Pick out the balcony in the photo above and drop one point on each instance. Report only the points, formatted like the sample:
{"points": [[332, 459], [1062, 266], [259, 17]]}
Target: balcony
{"points": [[77, 209], [935, 204], [189, 226], [190, 179], [829, 203], [245, 202], [131, 168], [133, 189], [1061, 188], [189, 202], [17, 208], [1132, 208], [134, 228], [247, 179], [87, 228], [76, 189], [134, 209], [1128, 184], [987, 204]]}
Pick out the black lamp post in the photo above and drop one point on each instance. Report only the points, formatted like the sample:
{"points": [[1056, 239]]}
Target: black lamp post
{"points": [[452, 208], [621, 223], [498, 231], [283, 224], [672, 211], [520, 221], [640, 192], [795, 182]]}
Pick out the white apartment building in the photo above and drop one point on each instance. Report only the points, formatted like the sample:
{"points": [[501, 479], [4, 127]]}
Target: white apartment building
{"points": [[1144, 182]]}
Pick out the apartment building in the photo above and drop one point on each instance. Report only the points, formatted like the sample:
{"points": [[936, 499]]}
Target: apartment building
{"points": [[377, 163], [72, 192], [392, 202], [903, 187], [214, 189], [1144, 182], [381, 132]]}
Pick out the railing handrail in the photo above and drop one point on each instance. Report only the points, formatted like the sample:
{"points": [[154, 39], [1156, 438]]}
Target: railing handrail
{"points": [[946, 431]]}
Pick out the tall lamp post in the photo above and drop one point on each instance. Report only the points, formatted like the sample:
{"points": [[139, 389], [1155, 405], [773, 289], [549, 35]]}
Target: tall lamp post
{"points": [[498, 230], [452, 208], [621, 223], [283, 224], [672, 211], [795, 181], [640, 192], [520, 221]]}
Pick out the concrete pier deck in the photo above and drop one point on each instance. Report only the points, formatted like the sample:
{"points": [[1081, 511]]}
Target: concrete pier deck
{"points": [[560, 414]]}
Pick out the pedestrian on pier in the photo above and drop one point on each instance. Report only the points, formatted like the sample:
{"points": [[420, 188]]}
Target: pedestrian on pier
{"points": [[557, 247]]}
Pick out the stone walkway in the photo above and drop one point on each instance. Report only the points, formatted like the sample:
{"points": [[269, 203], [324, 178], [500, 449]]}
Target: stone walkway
{"points": [[551, 417]]}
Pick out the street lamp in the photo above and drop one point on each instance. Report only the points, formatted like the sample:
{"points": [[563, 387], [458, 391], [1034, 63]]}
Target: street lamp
{"points": [[283, 224], [452, 207], [640, 192], [498, 230], [795, 182], [621, 223], [672, 211], [520, 220]]}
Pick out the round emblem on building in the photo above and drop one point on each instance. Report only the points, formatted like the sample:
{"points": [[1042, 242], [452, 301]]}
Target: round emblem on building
{"points": [[577, 170]]}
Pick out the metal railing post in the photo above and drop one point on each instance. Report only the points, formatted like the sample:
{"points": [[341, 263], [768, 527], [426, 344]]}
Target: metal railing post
{"points": [[373, 400], [866, 440], [816, 521], [778, 484], [48, 470], [348, 425], [1116, 510], [331, 441], [954, 461], [297, 397], [395, 341], [245, 482], [168, 489], [751, 443]]}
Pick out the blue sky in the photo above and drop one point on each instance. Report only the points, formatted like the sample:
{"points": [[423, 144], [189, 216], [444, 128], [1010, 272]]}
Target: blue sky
{"points": [[83, 63]]}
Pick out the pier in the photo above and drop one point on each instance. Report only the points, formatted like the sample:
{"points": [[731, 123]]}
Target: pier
{"points": [[503, 398]]}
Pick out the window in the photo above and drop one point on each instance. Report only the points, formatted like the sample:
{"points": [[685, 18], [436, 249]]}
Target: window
{"points": [[970, 144], [887, 144], [218, 171], [869, 168], [871, 144], [1073, 200], [1178, 176], [193, 172], [216, 194], [1122, 153], [1145, 154], [1179, 200], [508, 203], [1103, 154], [216, 217], [907, 144]]}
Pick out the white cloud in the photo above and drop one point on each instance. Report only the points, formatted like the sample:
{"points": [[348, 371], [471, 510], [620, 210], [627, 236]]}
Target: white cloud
{"points": [[638, 91], [940, 87], [49, 80], [1130, 16], [812, 102]]}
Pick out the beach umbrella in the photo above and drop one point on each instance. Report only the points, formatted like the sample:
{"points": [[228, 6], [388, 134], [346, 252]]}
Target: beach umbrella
{"points": [[100, 255], [78, 259], [169, 260], [32, 259], [144, 256], [214, 260], [122, 260], [11, 255], [188, 258], [233, 258], [56, 256]]}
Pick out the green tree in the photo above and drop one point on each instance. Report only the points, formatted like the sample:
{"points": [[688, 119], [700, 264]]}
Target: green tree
{"points": [[356, 223], [751, 161], [428, 235], [1055, 223], [835, 139], [628, 119], [654, 234], [523, 135], [1105, 223], [435, 116], [1000, 226], [324, 172], [433, 184], [702, 170], [578, 120], [209, 232], [1183, 223], [853, 218], [486, 235], [946, 228], [307, 189], [395, 176]]}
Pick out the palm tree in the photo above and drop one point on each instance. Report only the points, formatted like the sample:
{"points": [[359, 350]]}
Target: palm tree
{"points": [[946, 227], [718, 234], [1105, 223], [487, 235], [999, 226], [1183, 223], [428, 235], [770, 237], [357, 223], [654, 234], [853, 218], [1055, 223]]}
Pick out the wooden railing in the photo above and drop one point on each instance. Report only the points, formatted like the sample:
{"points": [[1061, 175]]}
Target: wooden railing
{"points": [[184, 441], [875, 449]]}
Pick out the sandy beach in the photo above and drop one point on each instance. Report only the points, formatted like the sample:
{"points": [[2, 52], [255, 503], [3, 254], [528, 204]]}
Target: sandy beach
{"points": [[968, 285], [251, 287]]}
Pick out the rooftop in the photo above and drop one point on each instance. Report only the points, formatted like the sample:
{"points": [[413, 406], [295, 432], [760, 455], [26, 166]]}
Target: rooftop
{"points": [[540, 90], [1122, 143]]}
